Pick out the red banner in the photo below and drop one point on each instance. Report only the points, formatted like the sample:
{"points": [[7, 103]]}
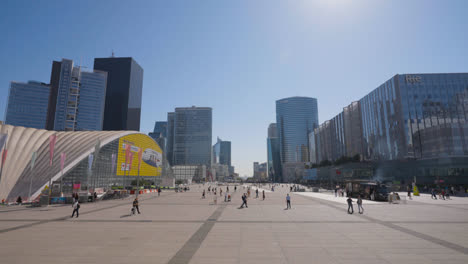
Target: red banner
{"points": [[63, 156], [52, 140]]}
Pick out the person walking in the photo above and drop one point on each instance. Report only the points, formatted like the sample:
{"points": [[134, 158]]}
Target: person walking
{"points": [[288, 201], [235, 188], [203, 194], [136, 205], [408, 189], [350, 205], [256, 192], [263, 193], [76, 208], [359, 205], [433, 194], [244, 201], [19, 201], [159, 191], [220, 192]]}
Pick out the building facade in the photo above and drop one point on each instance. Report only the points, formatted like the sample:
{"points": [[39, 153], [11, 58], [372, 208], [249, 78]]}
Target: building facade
{"points": [[123, 93], [27, 104], [274, 170], [80, 98], [296, 117], [222, 152], [170, 137], [192, 136]]}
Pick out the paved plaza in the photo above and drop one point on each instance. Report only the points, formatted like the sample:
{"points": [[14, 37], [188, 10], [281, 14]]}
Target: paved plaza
{"points": [[183, 228]]}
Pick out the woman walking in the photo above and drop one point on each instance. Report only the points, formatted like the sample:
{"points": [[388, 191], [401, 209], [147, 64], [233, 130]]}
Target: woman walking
{"points": [[359, 205]]}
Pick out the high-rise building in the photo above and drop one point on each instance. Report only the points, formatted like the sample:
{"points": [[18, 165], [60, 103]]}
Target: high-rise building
{"points": [[123, 93], [80, 98], [273, 154], [170, 137], [27, 104], [222, 152], [159, 134], [192, 136], [296, 117], [54, 86], [409, 116]]}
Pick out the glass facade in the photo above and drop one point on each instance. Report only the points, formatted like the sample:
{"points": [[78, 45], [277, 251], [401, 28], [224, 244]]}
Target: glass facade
{"points": [[80, 99], [27, 104], [417, 116], [192, 136], [273, 160], [222, 152], [123, 93], [170, 138], [296, 117]]}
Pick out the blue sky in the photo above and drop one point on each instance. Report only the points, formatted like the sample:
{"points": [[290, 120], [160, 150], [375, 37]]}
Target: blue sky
{"points": [[238, 57]]}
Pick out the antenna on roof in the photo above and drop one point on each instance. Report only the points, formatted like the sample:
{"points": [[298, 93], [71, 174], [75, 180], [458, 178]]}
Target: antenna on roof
{"points": [[112, 56]]}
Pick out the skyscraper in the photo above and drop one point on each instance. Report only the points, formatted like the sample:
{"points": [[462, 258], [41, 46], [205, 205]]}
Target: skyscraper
{"points": [[170, 138], [296, 117], [123, 93], [27, 104], [192, 136], [80, 98], [159, 134], [273, 154], [222, 152]]}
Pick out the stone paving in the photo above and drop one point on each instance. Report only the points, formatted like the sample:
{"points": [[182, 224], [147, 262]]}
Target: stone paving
{"points": [[183, 228]]}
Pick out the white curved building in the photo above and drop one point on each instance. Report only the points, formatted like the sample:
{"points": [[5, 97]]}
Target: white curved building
{"points": [[106, 169]]}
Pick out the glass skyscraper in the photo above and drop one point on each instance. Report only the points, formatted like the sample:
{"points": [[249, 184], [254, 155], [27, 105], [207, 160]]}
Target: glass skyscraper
{"points": [[123, 93], [80, 99], [296, 117], [27, 104], [192, 136], [273, 154], [170, 137], [222, 152]]}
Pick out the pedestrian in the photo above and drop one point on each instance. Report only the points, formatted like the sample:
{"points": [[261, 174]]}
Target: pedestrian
{"points": [[159, 191], [19, 200], [359, 205], [135, 206], [433, 193], [408, 189], [203, 194], [336, 192], [76, 208], [225, 197], [288, 201], [244, 201], [227, 188], [235, 188], [350, 205], [263, 193], [256, 192], [220, 192], [95, 196]]}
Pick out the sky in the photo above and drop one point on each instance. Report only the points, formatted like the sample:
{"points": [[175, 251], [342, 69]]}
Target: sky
{"points": [[238, 57]]}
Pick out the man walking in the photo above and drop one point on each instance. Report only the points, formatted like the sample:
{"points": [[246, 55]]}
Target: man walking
{"points": [[359, 205], [159, 191], [203, 194], [256, 192], [76, 207], [135, 205], [288, 201], [244, 201], [408, 189], [350, 205], [263, 192]]}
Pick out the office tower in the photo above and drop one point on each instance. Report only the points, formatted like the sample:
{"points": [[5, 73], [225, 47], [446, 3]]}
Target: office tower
{"points": [[159, 134], [123, 93], [170, 138], [54, 86], [192, 136], [80, 98], [222, 152], [27, 104], [273, 154], [296, 117], [260, 171]]}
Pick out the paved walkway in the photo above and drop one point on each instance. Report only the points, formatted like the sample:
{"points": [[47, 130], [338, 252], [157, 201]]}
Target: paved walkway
{"points": [[183, 228]]}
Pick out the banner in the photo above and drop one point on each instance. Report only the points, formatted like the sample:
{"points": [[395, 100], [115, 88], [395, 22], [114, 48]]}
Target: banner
{"points": [[150, 163], [130, 161], [33, 159], [140, 154], [63, 156], [52, 140], [90, 161], [76, 186]]}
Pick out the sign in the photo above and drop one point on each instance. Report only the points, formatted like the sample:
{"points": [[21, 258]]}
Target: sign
{"points": [[151, 156], [76, 186], [412, 79]]}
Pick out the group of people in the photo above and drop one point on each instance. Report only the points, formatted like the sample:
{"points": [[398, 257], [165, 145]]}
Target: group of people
{"points": [[359, 203], [443, 195]]}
